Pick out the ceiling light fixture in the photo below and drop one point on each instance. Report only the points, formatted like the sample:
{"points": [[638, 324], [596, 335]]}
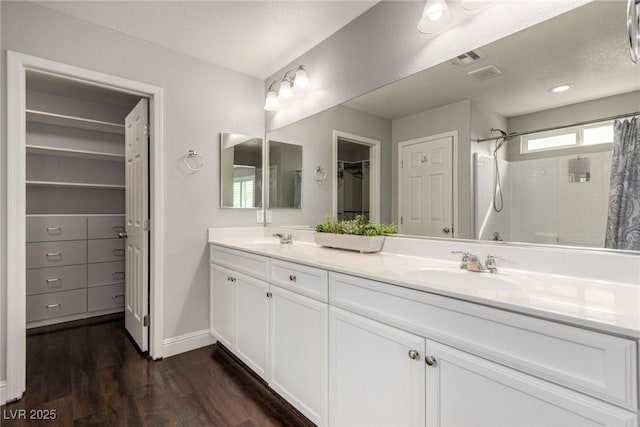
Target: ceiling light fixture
{"points": [[294, 82], [560, 88], [435, 16], [473, 4]]}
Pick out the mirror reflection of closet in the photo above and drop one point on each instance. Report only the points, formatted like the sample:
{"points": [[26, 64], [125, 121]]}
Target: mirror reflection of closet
{"points": [[241, 171], [285, 175], [353, 180]]}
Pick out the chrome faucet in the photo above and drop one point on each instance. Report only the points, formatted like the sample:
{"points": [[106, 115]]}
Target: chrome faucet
{"points": [[472, 263], [284, 239]]}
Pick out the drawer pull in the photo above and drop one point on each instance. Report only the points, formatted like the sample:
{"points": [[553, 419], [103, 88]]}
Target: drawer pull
{"points": [[413, 354], [118, 275], [118, 229], [430, 360], [118, 252], [292, 278], [51, 282], [54, 255], [52, 306], [54, 230], [116, 301]]}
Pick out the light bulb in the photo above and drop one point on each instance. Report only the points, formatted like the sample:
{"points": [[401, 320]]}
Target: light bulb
{"points": [[435, 16], [272, 103], [285, 90], [300, 81]]}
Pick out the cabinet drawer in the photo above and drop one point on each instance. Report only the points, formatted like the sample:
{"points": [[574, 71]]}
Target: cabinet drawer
{"points": [[106, 297], [49, 254], [53, 228], [56, 304], [594, 363], [104, 227], [249, 264], [105, 250], [301, 279], [105, 273], [56, 279]]}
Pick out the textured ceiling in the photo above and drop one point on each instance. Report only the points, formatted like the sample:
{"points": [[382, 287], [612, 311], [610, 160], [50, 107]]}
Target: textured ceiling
{"points": [[253, 37], [586, 47]]}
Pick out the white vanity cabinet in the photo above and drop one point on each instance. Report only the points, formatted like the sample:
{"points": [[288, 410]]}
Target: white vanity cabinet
{"points": [[376, 373], [239, 304]]}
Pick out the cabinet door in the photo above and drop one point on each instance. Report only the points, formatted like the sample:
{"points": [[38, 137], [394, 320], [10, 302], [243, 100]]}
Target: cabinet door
{"points": [[465, 390], [376, 373], [222, 300], [252, 322], [298, 352]]}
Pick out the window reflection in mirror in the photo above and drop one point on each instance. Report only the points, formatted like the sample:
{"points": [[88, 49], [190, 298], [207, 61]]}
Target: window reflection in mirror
{"points": [[285, 175], [241, 171]]}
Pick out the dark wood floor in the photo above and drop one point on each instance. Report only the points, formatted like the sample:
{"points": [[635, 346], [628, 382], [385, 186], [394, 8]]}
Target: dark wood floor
{"points": [[92, 374]]}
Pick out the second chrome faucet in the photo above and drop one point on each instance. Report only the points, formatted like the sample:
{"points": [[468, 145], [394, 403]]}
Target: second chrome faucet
{"points": [[471, 262]]}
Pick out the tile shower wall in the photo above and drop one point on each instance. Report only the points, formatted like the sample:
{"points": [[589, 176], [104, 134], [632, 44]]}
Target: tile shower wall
{"points": [[547, 208]]}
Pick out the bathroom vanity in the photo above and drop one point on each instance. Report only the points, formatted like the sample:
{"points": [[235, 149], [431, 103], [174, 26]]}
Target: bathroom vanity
{"points": [[390, 339]]}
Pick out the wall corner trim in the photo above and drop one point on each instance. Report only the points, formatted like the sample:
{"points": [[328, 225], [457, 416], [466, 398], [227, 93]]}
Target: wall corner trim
{"points": [[187, 342]]}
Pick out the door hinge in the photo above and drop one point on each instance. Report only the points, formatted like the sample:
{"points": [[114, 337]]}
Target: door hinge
{"points": [[145, 321], [401, 164], [401, 220], [145, 129], [147, 225]]}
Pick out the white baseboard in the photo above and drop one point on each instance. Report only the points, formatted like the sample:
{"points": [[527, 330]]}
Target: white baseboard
{"points": [[3, 392], [187, 342]]}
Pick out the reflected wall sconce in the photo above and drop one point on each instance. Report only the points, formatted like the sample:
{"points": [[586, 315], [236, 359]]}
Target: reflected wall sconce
{"points": [[294, 82]]}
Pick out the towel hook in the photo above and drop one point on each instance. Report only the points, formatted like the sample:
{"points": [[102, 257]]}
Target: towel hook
{"points": [[195, 158]]}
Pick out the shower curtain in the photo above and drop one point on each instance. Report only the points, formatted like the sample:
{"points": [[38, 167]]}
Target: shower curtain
{"points": [[623, 224]]}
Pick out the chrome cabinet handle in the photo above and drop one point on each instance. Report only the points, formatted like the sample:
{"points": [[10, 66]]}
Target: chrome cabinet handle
{"points": [[231, 279], [118, 274], [430, 360], [51, 230], [292, 278], [123, 235], [54, 254], [269, 294], [413, 354], [50, 282], [50, 306], [118, 252], [446, 230]]}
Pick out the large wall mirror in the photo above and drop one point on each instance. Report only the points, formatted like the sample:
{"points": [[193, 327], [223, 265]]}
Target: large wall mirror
{"points": [[240, 171], [446, 170]]}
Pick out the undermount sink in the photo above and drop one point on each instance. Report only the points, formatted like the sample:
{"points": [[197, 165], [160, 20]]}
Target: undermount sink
{"points": [[461, 279]]}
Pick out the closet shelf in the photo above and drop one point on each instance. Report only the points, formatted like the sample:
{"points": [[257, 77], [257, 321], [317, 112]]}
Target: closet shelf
{"points": [[75, 185], [69, 152], [74, 122]]}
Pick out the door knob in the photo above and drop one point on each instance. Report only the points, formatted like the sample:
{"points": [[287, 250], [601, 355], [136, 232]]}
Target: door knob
{"points": [[446, 230], [122, 235]]}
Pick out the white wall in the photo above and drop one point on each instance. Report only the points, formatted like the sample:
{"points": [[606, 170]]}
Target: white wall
{"points": [[315, 134], [201, 100]]}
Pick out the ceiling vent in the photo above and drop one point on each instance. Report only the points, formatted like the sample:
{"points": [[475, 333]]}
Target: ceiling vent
{"points": [[468, 58], [485, 73]]}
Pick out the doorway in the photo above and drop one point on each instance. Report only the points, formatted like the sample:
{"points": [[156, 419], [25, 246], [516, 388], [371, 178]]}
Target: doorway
{"points": [[427, 186], [19, 204], [356, 184]]}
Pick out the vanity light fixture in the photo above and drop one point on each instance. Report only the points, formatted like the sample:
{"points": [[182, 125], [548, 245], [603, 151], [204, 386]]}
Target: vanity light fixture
{"points": [[435, 16], [473, 4], [560, 88], [294, 82]]}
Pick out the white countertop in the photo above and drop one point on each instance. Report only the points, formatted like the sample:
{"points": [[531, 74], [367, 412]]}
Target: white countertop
{"points": [[604, 306]]}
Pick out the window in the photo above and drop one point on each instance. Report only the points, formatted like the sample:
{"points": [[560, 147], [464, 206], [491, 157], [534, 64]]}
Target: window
{"points": [[593, 134]]}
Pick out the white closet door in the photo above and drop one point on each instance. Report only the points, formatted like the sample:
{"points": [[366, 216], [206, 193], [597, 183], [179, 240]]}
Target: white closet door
{"points": [[137, 213]]}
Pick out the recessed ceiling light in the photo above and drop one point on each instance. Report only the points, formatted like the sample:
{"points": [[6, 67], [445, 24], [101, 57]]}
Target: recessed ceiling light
{"points": [[560, 88]]}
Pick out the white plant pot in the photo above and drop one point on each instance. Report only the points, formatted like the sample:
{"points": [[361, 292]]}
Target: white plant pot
{"points": [[363, 244]]}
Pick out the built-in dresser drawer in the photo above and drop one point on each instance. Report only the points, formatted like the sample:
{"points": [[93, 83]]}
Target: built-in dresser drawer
{"points": [[56, 304], [301, 279], [105, 273], [56, 279], [104, 227], [49, 254], [105, 250], [598, 364], [249, 264], [106, 297], [54, 228]]}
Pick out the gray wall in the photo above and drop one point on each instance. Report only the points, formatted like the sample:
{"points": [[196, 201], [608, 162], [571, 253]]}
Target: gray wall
{"points": [[448, 118], [583, 111], [315, 134], [201, 100]]}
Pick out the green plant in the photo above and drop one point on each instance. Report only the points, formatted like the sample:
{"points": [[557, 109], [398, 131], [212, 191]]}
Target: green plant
{"points": [[359, 226]]}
